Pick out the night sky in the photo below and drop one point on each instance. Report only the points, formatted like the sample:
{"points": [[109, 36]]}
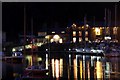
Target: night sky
{"points": [[49, 14]]}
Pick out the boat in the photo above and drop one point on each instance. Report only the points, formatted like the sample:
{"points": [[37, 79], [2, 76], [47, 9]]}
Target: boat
{"points": [[35, 72]]}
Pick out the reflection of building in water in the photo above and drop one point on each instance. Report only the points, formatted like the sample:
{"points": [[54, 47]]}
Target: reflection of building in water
{"points": [[57, 68], [76, 66], [114, 64]]}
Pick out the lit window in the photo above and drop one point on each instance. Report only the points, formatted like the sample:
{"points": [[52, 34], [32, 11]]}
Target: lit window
{"points": [[80, 33], [86, 39], [115, 30], [80, 39], [97, 31], [74, 33], [74, 39], [86, 33]]}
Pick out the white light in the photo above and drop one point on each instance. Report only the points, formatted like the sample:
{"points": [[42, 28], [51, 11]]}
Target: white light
{"points": [[53, 32], [107, 38], [46, 61], [57, 68], [87, 25], [62, 31], [51, 40], [60, 41], [97, 31], [46, 49], [15, 54], [13, 50], [69, 56], [56, 37], [74, 39], [39, 59], [47, 37], [21, 49]]}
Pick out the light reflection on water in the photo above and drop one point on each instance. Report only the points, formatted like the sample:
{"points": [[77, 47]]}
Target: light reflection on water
{"points": [[99, 70], [57, 68], [74, 68], [78, 68]]}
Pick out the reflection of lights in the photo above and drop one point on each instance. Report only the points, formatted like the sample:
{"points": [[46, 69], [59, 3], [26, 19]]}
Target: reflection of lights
{"points": [[29, 60], [15, 54], [75, 68], [57, 68], [53, 68], [84, 66], [88, 68], [61, 67], [99, 70], [81, 70], [46, 61]]}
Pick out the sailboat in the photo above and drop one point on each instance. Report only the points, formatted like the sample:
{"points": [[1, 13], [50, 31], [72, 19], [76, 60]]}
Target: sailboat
{"points": [[34, 71]]}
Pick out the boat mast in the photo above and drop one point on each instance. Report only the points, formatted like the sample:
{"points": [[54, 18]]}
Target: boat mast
{"points": [[32, 39], [85, 30], [115, 19], [24, 53], [24, 29]]}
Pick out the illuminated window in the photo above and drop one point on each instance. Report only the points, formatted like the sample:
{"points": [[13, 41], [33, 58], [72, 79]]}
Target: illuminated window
{"points": [[97, 31], [80, 33], [74, 33], [86, 39], [86, 33], [115, 30], [74, 39], [80, 39]]}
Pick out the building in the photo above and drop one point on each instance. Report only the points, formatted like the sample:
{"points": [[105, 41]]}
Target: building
{"points": [[93, 33]]}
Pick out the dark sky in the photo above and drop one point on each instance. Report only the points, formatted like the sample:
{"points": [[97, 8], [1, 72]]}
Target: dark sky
{"points": [[49, 14]]}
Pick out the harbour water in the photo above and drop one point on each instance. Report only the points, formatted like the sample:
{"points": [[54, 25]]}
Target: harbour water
{"points": [[73, 67]]}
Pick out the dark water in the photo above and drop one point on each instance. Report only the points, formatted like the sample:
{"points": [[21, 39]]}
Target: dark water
{"points": [[73, 67]]}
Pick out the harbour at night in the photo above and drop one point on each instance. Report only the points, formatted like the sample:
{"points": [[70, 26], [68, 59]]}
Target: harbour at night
{"points": [[56, 41]]}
